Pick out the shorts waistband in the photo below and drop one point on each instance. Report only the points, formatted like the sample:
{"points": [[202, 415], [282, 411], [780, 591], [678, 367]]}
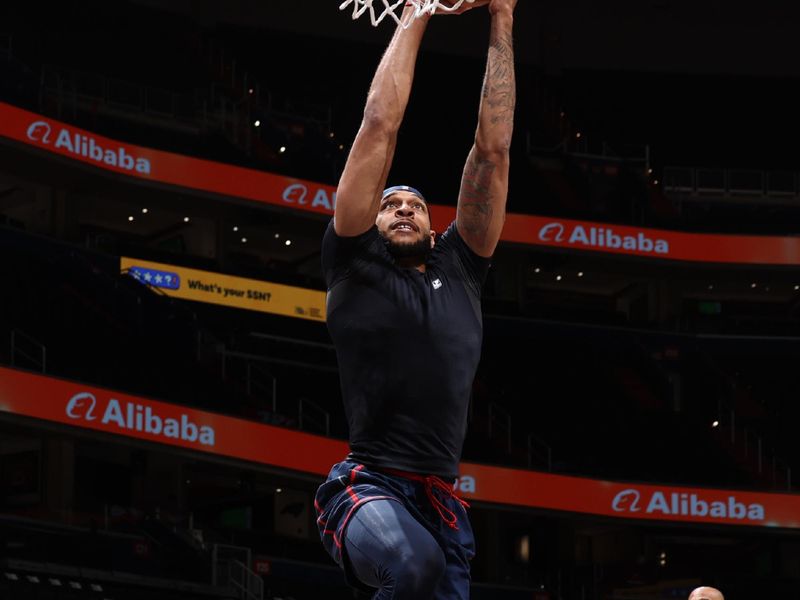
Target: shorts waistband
{"points": [[431, 483]]}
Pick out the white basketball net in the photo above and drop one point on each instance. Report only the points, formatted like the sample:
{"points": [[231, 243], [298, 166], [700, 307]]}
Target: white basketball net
{"points": [[380, 9]]}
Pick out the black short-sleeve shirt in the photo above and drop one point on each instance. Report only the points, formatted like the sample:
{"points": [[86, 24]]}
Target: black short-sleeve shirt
{"points": [[408, 345]]}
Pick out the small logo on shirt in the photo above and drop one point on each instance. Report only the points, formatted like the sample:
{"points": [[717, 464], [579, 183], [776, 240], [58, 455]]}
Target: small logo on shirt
{"points": [[437, 283]]}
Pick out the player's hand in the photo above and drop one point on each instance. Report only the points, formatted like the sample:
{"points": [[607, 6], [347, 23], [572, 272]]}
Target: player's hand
{"points": [[496, 6]]}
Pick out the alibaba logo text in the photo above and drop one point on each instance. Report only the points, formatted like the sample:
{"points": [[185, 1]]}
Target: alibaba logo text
{"points": [[626, 500], [81, 406], [39, 131], [552, 232], [295, 194]]}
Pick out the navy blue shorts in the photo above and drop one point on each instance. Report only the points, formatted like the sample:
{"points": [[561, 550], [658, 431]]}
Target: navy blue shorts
{"points": [[429, 500]]}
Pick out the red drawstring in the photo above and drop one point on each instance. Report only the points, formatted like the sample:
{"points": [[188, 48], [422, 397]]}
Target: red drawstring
{"points": [[448, 516], [432, 482]]}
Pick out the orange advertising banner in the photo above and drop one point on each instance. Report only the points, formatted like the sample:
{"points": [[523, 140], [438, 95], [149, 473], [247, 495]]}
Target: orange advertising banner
{"points": [[157, 166], [193, 173], [98, 409], [88, 407]]}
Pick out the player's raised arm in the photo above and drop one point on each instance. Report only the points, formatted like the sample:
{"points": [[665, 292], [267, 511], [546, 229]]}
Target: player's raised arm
{"points": [[370, 159], [484, 184]]}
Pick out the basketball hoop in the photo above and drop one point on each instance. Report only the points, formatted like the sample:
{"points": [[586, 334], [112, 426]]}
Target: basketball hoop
{"points": [[380, 9]]}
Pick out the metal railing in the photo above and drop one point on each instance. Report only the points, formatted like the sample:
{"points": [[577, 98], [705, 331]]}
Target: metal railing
{"points": [[212, 109], [75, 89], [229, 568], [583, 147], [731, 183], [248, 584], [259, 381], [221, 555], [539, 452], [311, 413], [33, 353], [225, 354], [603, 151], [246, 85], [293, 341], [753, 448]]}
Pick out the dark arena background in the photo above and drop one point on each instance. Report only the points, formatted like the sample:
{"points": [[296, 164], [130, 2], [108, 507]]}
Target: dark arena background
{"points": [[169, 394]]}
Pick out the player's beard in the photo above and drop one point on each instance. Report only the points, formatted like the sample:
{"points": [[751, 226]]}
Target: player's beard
{"points": [[418, 250]]}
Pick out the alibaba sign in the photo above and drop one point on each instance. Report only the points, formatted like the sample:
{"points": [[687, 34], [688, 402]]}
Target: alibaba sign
{"points": [[111, 412], [316, 197]]}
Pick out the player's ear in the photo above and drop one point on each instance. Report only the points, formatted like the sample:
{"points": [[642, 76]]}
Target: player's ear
{"points": [[433, 238]]}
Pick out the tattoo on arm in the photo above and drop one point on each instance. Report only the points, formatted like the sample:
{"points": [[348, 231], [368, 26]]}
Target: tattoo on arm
{"points": [[475, 199], [499, 89], [481, 204]]}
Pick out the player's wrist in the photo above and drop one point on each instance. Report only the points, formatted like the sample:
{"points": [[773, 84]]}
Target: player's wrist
{"points": [[504, 12], [411, 9]]}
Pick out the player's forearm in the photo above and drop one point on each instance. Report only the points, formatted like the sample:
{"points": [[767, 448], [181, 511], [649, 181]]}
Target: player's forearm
{"points": [[391, 86], [496, 115]]}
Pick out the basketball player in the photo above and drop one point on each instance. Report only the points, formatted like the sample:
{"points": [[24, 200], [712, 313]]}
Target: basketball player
{"points": [[404, 313], [706, 593]]}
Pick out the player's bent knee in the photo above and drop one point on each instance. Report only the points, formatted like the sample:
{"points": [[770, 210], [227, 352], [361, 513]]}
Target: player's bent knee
{"points": [[417, 575]]}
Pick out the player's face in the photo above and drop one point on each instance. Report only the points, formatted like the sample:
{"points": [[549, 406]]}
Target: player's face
{"points": [[403, 220]]}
